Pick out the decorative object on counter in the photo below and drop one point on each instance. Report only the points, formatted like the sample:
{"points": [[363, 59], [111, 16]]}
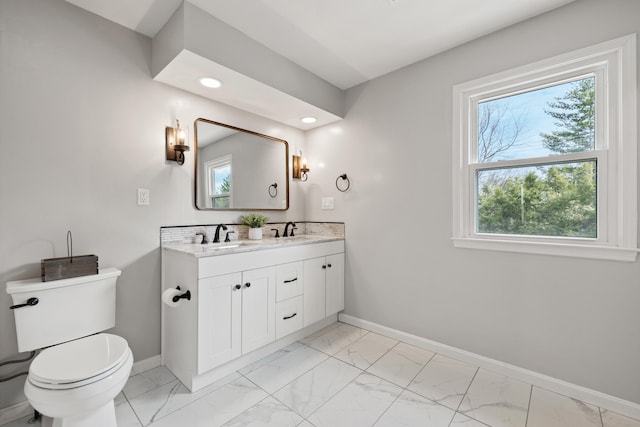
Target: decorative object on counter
{"points": [[177, 142], [341, 186], [300, 168], [256, 222], [273, 190], [69, 266]]}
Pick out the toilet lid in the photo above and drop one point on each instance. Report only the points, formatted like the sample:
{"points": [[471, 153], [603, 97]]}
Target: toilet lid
{"points": [[79, 360]]}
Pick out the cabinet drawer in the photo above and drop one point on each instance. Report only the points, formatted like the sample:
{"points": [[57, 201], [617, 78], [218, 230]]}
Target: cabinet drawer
{"points": [[289, 280], [289, 316]]}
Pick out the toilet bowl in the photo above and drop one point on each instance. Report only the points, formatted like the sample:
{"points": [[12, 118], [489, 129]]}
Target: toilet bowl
{"points": [[74, 380], [74, 383]]}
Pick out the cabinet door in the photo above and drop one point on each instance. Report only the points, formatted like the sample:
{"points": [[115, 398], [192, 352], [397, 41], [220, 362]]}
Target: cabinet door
{"points": [[314, 290], [258, 308], [219, 311], [335, 284]]}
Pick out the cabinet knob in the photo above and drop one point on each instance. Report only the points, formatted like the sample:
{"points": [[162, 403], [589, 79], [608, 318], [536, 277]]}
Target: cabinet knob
{"points": [[238, 286], [329, 265], [324, 266], [247, 285]]}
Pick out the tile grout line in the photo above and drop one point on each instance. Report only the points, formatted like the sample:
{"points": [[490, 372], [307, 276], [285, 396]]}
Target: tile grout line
{"points": [[526, 421], [335, 394], [131, 406], [467, 391]]}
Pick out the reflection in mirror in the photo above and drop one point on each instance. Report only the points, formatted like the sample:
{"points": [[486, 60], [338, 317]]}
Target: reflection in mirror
{"points": [[239, 169]]}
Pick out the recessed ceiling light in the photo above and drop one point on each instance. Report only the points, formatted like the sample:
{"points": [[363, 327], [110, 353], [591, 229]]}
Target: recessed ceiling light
{"points": [[308, 119], [209, 82]]}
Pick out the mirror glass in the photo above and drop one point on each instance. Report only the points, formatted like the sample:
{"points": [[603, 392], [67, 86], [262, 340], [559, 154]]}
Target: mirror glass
{"points": [[239, 169]]}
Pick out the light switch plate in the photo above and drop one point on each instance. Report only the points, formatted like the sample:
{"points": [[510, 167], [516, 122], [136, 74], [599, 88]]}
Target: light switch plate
{"points": [[327, 203], [143, 196]]}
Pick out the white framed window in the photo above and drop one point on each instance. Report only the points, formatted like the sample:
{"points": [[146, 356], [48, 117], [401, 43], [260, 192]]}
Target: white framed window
{"points": [[545, 156], [219, 185]]}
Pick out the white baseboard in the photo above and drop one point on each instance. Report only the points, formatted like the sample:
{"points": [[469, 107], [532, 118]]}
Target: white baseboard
{"points": [[615, 404], [15, 412], [145, 365]]}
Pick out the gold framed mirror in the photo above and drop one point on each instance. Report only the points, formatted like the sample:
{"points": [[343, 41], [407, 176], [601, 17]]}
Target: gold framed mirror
{"points": [[238, 169]]}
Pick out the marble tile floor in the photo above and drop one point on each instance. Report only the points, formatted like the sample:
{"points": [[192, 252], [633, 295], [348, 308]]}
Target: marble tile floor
{"points": [[347, 376]]}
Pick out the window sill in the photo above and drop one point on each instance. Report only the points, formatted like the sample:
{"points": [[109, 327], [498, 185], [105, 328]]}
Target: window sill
{"points": [[555, 249]]}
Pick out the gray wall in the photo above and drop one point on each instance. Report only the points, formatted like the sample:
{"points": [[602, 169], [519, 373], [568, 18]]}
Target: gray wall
{"points": [[81, 128], [573, 319]]}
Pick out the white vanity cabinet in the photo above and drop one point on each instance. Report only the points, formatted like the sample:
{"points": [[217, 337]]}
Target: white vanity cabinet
{"points": [[243, 303], [323, 287]]}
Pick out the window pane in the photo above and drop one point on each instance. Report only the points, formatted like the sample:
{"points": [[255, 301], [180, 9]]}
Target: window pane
{"points": [[222, 179], [548, 200], [220, 202], [543, 122]]}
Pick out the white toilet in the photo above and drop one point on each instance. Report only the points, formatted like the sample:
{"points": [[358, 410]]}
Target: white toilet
{"points": [[73, 383]]}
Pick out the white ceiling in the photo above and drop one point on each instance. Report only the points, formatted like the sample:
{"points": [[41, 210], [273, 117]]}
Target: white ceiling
{"points": [[345, 42]]}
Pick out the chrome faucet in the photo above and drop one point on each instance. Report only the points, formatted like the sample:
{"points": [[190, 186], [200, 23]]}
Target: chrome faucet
{"points": [[286, 229], [216, 237]]}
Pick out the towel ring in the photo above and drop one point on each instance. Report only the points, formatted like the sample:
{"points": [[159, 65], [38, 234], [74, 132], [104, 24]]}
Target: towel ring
{"points": [[344, 177], [273, 190]]}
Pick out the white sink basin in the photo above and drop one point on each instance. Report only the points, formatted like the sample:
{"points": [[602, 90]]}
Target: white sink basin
{"points": [[226, 245]]}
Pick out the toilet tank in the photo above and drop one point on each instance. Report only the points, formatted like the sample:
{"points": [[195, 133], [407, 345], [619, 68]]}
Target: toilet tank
{"points": [[67, 309]]}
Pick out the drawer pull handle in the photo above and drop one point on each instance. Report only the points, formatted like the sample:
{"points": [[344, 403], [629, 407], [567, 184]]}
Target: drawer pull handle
{"points": [[292, 280], [289, 317]]}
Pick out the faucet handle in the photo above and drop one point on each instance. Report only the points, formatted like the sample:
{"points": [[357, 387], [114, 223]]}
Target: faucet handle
{"points": [[204, 238], [277, 232], [293, 228], [226, 238]]}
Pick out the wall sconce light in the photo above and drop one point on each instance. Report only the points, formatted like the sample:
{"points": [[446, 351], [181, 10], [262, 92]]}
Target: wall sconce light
{"points": [[177, 142], [300, 168]]}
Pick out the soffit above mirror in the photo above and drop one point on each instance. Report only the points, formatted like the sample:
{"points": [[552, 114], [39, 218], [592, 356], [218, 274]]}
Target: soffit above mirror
{"points": [[194, 44], [346, 43]]}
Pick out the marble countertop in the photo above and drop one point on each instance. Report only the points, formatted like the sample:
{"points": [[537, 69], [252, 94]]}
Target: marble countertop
{"points": [[236, 246]]}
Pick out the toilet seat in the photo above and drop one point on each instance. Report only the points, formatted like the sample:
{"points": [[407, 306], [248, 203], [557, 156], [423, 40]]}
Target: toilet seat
{"points": [[79, 362]]}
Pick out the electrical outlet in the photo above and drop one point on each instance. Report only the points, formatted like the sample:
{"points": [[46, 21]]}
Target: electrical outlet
{"points": [[143, 196], [327, 203]]}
